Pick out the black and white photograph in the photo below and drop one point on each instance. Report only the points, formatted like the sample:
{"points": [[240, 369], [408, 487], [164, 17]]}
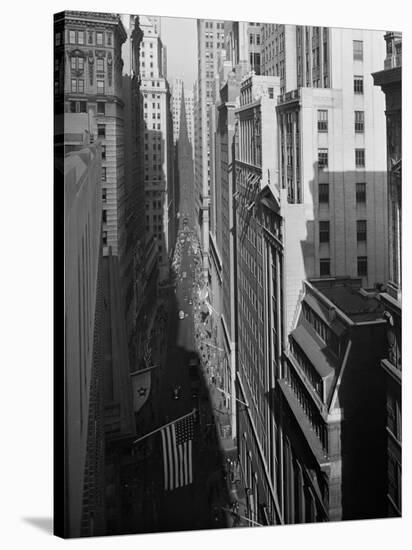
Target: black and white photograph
{"points": [[205, 279], [231, 224]]}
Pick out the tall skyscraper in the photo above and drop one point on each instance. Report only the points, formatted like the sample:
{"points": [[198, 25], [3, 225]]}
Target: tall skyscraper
{"points": [[89, 102], [259, 282], [210, 43], [83, 397], [390, 81], [242, 55], [243, 45], [158, 144], [331, 161]]}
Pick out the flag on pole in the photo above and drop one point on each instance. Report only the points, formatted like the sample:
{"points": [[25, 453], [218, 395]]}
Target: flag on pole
{"points": [[177, 453]]}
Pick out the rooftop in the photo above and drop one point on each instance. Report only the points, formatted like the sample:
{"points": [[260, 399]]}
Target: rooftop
{"points": [[346, 296]]}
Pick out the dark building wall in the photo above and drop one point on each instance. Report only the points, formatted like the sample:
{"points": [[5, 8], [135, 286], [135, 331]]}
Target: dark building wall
{"points": [[362, 399]]}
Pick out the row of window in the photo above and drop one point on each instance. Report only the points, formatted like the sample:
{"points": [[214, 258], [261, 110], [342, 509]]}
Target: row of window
{"points": [[157, 83], [210, 25], [323, 192], [153, 116], [254, 39], [77, 86], [218, 45], [323, 158], [307, 368], [322, 329], [362, 266], [312, 414], [78, 37], [323, 121], [324, 231], [153, 105], [155, 146]]}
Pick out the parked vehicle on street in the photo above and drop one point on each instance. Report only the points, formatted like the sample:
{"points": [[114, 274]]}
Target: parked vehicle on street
{"points": [[181, 314]]}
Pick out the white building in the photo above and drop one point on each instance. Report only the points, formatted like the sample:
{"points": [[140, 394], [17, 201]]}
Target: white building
{"points": [[331, 134]]}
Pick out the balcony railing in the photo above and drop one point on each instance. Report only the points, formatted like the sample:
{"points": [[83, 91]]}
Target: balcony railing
{"points": [[289, 96]]}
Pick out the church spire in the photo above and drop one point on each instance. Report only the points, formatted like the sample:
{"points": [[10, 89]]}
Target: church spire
{"points": [[183, 135]]}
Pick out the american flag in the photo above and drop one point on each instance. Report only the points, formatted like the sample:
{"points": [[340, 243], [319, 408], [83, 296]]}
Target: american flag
{"points": [[177, 453]]}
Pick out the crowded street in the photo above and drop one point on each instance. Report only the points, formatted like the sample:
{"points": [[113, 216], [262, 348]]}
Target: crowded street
{"points": [[205, 502]]}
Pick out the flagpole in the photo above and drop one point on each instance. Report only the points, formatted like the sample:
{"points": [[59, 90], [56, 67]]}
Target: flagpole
{"points": [[162, 427]]}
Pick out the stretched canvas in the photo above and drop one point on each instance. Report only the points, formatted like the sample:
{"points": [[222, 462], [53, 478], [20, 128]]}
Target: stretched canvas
{"points": [[229, 195]]}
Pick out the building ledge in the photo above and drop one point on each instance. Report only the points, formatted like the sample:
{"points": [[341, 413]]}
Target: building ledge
{"points": [[388, 76], [393, 438], [392, 370], [304, 425]]}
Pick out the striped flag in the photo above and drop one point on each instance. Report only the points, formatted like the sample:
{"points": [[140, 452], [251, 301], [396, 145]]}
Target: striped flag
{"points": [[177, 453]]}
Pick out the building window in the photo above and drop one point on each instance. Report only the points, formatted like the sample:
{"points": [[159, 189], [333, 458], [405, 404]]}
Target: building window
{"points": [[358, 50], [73, 63], [58, 39], [100, 64], [324, 231], [80, 63], [90, 38], [270, 92], [104, 238], [80, 37], [324, 193], [358, 84], [322, 158], [362, 266], [74, 85], [103, 176], [72, 37], [109, 38], [100, 86], [80, 84], [101, 108], [103, 149], [359, 122], [360, 158], [324, 267], [104, 194], [361, 192], [78, 106], [322, 121], [361, 230], [101, 130], [99, 38]]}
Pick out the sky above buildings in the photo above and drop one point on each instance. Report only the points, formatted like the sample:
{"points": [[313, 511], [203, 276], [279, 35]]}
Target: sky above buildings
{"points": [[180, 37]]}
